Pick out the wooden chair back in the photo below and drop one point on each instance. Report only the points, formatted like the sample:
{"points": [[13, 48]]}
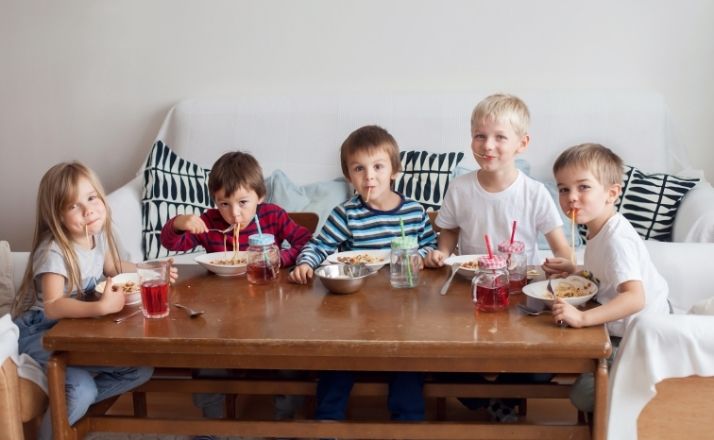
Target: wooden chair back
{"points": [[306, 219]]}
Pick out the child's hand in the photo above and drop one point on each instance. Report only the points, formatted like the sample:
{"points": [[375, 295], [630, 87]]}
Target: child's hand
{"points": [[173, 271], [434, 258], [191, 223], [556, 266], [564, 312], [111, 301], [301, 274]]}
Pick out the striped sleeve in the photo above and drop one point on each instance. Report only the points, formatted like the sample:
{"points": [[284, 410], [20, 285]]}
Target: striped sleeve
{"points": [[334, 233]]}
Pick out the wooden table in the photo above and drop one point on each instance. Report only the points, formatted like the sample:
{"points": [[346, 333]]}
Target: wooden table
{"points": [[289, 326]]}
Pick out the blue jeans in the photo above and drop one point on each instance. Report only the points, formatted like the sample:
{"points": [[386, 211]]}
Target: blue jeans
{"points": [[84, 386], [405, 401]]}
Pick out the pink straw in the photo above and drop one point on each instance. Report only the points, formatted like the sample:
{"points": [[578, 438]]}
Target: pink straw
{"points": [[513, 231], [488, 246]]}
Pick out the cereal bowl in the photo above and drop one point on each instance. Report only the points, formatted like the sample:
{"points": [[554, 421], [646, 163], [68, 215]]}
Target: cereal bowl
{"points": [[374, 259], [575, 290], [340, 278], [223, 264], [124, 282], [469, 264]]}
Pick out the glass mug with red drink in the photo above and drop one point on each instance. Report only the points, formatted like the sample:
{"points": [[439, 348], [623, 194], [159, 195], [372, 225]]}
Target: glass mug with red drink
{"points": [[490, 285], [263, 259], [154, 279], [516, 263]]}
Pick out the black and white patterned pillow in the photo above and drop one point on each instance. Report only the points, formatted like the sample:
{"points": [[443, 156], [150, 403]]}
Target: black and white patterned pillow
{"points": [[172, 186], [425, 176], [650, 202]]}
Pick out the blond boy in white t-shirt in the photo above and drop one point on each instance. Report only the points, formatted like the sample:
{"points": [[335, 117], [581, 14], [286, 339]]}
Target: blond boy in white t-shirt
{"points": [[589, 180]]}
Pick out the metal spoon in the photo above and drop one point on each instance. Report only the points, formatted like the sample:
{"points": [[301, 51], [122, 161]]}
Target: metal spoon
{"points": [[454, 268], [125, 317], [531, 311], [189, 311]]}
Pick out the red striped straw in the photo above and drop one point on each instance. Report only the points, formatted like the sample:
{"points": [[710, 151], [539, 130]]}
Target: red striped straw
{"points": [[488, 246], [513, 231]]}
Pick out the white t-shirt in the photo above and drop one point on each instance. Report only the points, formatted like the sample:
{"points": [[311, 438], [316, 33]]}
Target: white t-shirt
{"points": [[49, 259], [477, 212], [617, 254]]}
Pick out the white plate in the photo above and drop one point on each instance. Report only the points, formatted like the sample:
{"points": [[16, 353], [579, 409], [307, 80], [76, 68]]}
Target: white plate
{"points": [[380, 257], [225, 270], [465, 272], [118, 281], [539, 289]]}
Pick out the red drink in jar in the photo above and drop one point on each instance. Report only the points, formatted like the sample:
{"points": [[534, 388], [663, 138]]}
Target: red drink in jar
{"points": [[517, 284], [491, 299], [261, 272], [155, 299]]}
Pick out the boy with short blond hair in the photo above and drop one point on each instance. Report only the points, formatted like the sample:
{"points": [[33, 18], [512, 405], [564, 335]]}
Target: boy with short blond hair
{"points": [[488, 200], [589, 178], [369, 220]]}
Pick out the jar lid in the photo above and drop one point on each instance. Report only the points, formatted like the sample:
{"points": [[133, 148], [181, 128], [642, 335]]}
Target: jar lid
{"points": [[511, 248], [261, 240], [404, 242], [495, 262]]}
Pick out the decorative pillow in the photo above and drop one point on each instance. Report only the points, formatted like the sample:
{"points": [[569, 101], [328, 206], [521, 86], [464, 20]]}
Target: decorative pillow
{"points": [[319, 197], [172, 186], [650, 202], [425, 176]]}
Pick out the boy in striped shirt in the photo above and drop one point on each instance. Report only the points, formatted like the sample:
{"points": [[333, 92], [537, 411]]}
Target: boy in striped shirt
{"points": [[369, 220]]}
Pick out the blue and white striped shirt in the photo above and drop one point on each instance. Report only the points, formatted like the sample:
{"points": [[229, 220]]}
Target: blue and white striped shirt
{"points": [[352, 225]]}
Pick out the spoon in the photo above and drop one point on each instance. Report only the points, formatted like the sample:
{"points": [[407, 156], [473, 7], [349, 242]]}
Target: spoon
{"points": [[531, 311], [454, 268], [125, 317], [189, 311]]}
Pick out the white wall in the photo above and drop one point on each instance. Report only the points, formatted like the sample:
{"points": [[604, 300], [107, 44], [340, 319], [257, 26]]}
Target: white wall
{"points": [[92, 79]]}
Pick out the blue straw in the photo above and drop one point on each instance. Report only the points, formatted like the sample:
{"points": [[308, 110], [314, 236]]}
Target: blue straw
{"points": [[257, 223]]}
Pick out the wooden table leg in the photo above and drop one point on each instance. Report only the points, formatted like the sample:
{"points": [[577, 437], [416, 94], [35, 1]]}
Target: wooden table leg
{"points": [[600, 411], [56, 370]]}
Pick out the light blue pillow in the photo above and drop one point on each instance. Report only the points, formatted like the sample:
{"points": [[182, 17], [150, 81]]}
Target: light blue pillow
{"points": [[319, 197]]}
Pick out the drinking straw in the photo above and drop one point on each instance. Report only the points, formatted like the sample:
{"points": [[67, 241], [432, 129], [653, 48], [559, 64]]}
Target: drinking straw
{"points": [[488, 246], [265, 254], [369, 192], [513, 231], [409, 260], [573, 211]]}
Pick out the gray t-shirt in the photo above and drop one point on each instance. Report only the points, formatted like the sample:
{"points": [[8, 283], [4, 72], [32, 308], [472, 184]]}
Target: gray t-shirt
{"points": [[49, 259]]}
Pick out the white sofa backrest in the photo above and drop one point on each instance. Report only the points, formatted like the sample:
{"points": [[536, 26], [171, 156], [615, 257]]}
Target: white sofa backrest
{"points": [[301, 134]]}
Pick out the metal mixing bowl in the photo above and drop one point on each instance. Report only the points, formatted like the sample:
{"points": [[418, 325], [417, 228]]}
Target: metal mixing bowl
{"points": [[343, 278]]}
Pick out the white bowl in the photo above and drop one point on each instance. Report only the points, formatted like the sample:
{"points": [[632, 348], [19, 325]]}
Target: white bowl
{"points": [[210, 262], [539, 290], [466, 272], [132, 291], [375, 258]]}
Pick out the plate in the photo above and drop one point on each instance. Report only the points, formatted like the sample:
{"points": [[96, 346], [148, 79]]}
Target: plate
{"points": [[539, 289], [375, 258], [211, 262], [133, 294], [466, 272]]}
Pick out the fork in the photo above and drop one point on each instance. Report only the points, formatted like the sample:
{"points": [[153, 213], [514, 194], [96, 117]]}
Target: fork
{"points": [[454, 268], [125, 317], [189, 311], [222, 231]]}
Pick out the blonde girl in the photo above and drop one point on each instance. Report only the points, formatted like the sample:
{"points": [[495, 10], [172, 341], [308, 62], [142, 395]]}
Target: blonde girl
{"points": [[72, 248]]}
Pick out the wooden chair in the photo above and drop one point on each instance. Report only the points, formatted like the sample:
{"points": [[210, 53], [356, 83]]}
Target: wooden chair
{"points": [[306, 219]]}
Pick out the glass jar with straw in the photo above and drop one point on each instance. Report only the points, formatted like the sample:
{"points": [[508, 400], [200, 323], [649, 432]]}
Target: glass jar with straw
{"points": [[263, 257], [404, 261]]}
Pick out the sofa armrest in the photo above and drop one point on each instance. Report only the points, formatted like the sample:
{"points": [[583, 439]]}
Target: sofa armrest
{"points": [[683, 265], [125, 204], [695, 217]]}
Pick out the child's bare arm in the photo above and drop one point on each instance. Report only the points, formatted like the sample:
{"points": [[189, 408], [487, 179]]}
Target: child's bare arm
{"points": [[448, 238], [58, 306], [111, 271], [630, 299]]}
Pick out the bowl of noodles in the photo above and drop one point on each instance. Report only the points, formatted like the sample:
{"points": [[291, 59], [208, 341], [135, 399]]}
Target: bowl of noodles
{"points": [[574, 289], [224, 264]]}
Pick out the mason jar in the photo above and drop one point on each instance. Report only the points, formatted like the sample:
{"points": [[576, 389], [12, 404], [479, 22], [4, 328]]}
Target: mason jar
{"points": [[489, 286], [263, 259], [404, 262]]}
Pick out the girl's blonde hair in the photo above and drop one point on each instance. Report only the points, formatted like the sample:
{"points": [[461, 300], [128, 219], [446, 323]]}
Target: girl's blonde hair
{"points": [[57, 191]]}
